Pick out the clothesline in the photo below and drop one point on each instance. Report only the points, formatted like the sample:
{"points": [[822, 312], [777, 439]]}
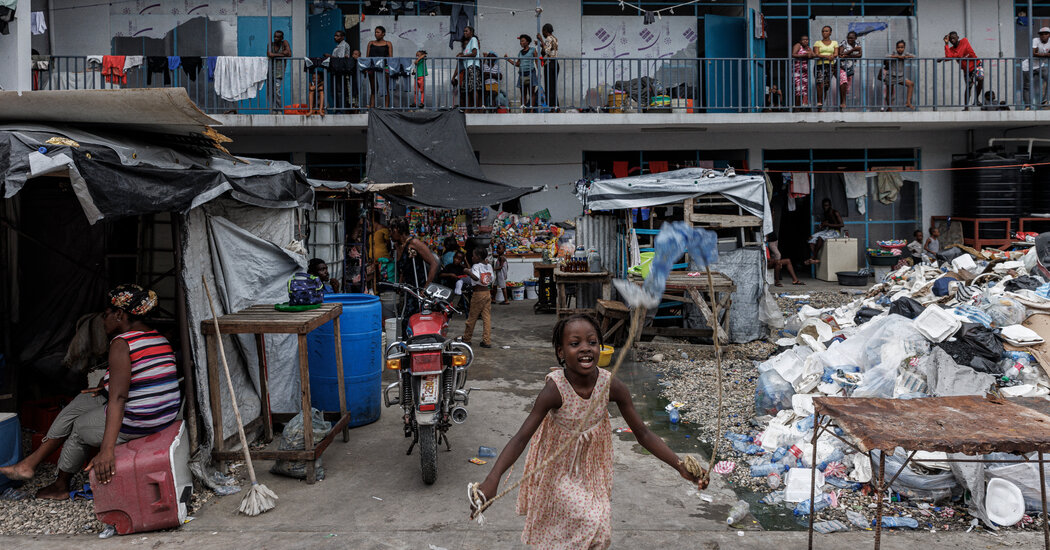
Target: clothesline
{"points": [[670, 9], [948, 169]]}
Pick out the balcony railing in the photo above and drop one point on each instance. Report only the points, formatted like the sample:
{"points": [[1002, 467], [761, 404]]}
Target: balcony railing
{"points": [[628, 85]]}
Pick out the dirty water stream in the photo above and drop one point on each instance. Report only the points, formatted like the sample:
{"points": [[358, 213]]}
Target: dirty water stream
{"points": [[682, 437]]}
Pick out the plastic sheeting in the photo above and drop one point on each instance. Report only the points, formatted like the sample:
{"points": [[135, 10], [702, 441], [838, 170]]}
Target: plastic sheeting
{"points": [[114, 176], [239, 250], [745, 267], [431, 151], [748, 192]]}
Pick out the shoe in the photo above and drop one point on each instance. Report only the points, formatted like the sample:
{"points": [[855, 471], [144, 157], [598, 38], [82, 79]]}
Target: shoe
{"points": [[484, 345]]}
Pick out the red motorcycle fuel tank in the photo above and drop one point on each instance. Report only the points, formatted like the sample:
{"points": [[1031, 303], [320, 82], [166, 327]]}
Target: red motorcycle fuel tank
{"points": [[428, 323]]}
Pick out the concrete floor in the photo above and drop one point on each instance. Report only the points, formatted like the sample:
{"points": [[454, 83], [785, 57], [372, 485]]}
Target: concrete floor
{"points": [[373, 496]]}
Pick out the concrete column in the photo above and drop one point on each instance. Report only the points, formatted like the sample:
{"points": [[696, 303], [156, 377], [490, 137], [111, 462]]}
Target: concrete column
{"points": [[299, 17], [16, 51]]}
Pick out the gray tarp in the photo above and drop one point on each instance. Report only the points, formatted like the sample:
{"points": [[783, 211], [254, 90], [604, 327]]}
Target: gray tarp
{"points": [[748, 192], [239, 251], [744, 266]]}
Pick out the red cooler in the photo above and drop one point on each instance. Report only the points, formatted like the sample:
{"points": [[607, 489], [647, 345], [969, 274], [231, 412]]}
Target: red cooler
{"points": [[152, 486]]}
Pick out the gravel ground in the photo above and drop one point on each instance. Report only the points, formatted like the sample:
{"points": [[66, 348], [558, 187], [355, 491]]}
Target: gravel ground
{"points": [[685, 383], [30, 516]]}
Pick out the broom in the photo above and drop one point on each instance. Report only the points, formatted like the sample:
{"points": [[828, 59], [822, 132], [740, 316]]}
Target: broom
{"points": [[259, 498]]}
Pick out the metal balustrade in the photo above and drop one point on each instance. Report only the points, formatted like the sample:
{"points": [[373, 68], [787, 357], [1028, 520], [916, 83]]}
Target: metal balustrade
{"points": [[627, 85]]}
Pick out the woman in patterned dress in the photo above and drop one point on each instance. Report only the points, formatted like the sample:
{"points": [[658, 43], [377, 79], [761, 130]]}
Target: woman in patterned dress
{"points": [[802, 53], [566, 501]]}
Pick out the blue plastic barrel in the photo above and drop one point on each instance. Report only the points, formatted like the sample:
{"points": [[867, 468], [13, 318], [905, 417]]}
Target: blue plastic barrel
{"points": [[10, 444], [361, 331]]}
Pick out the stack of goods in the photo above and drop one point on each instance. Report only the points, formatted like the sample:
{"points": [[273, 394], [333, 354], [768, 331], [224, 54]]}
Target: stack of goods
{"points": [[432, 226], [525, 234]]}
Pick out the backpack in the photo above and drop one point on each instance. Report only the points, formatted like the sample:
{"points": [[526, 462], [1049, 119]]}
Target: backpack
{"points": [[305, 289]]}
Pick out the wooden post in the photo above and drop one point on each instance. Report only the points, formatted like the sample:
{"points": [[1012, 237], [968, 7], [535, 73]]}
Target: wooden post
{"points": [[264, 385], [189, 365], [308, 424], [339, 375], [214, 395]]}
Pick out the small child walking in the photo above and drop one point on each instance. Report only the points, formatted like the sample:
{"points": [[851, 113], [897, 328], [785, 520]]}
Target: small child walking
{"points": [[933, 244], [481, 300], [567, 503], [502, 270]]}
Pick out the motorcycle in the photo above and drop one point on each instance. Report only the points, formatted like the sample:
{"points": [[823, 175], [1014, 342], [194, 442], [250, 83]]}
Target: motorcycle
{"points": [[432, 373]]}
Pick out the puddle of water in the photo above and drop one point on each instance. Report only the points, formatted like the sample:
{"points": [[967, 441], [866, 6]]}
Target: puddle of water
{"points": [[644, 384]]}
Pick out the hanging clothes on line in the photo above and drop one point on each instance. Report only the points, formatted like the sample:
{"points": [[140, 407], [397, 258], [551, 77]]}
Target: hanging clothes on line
{"points": [[191, 66], [157, 64], [800, 185], [37, 25], [240, 78], [113, 69], [829, 186], [133, 61], [889, 186], [174, 62], [856, 184]]}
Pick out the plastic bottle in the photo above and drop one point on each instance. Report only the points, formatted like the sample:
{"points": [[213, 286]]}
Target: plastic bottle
{"points": [[486, 452], [897, 521], [832, 526], [737, 512], [857, 519], [674, 416], [763, 470], [796, 451], [780, 453], [773, 480], [819, 503], [806, 424], [1014, 372], [836, 456], [738, 437]]}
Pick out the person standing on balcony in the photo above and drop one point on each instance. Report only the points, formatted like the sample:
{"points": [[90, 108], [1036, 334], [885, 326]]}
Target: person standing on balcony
{"points": [[1040, 51], [526, 64], [549, 47], [472, 77], [894, 75], [379, 47], [973, 71], [826, 51], [849, 52], [337, 63], [801, 52], [279, 51]]}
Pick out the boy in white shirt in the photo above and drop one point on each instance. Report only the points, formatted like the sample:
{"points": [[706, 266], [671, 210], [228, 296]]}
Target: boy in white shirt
{"points": [[481, 275]]}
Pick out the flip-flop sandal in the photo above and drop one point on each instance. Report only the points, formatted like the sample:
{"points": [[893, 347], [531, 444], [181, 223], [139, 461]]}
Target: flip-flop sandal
{"points": [[778, 284], [799, 283]]}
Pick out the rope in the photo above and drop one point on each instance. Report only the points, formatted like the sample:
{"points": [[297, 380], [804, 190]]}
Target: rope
{"points": [[478, 501]]}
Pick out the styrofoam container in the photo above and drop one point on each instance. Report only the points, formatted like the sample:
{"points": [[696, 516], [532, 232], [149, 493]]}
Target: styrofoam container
{"points": [[802, 403], [797, 484], [964, 262], [937, 324], [1004, 502]]}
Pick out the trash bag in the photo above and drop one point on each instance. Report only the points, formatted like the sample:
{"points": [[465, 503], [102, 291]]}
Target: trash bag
{"points": [[906, 307], [772, 394], [1024, 282], [913, 485], [1005, 312], [982, 341], [942, 286], [293, 438], [865, 314]]}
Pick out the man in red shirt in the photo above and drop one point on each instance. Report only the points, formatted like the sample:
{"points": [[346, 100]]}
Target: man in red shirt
{"points": [[955, 47]]}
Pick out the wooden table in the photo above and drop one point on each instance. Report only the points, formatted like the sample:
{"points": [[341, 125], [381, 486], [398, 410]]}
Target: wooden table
{"points": [[261, 320], [681, 287], [563, 278]]}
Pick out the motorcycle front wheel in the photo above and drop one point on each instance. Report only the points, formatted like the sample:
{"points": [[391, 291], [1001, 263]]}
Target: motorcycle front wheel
{"points": [[428, 453]]}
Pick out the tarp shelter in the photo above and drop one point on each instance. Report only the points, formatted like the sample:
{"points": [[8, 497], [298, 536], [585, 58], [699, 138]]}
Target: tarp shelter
{"points": [[745, 266], [431, 151], [748, 192], [236, 225]]}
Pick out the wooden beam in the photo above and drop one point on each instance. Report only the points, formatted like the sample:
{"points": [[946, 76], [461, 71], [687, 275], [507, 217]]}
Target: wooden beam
{"points": [[726, 220]]}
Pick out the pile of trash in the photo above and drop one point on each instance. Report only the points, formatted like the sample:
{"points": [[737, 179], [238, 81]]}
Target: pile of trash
{"points": [[973, 324]]}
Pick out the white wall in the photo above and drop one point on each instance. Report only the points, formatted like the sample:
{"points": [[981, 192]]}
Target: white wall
{"points": [[16, 51], [989, 26]]}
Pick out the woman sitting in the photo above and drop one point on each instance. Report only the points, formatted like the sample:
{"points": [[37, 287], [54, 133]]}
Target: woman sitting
{"points": [[138, 396]]}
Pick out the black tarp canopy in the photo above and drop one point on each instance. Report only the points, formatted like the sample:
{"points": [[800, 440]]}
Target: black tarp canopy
{"points": [[115, 176], [431, 151]]}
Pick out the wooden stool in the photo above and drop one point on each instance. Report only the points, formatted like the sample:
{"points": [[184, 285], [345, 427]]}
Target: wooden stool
{"points": [[608, 312]]}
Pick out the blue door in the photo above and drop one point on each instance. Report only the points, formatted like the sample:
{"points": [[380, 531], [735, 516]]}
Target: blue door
{"points": [[725, 47], [757, 68], [253, 38], [320, 29]]}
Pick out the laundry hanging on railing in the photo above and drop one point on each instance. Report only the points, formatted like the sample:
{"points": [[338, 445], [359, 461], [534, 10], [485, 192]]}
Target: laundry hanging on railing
{"points": [[240, 78]]}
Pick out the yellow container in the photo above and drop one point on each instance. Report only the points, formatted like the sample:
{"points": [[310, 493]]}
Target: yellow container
{"points": [[606, 356], [616, 102]]}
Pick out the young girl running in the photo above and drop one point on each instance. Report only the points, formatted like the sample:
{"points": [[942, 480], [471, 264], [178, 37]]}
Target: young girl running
{"points": [[566, 502]]}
